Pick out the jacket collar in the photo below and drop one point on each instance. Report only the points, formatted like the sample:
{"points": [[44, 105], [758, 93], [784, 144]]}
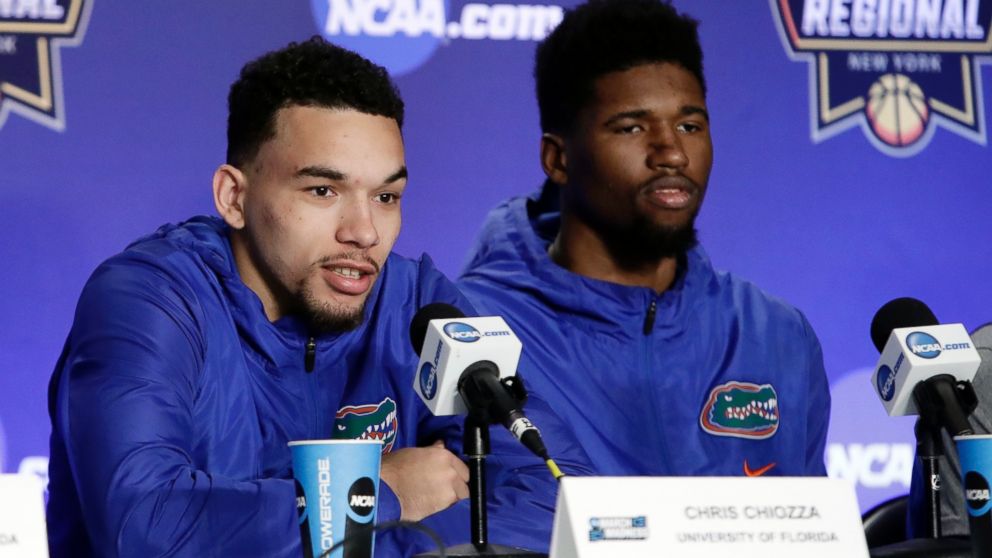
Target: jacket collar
{"points": [[513, 252]]}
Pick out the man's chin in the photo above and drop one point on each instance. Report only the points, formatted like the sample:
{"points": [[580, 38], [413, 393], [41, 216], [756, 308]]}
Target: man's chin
{"points": [[325, 321], [644, 244], [331, 316]]}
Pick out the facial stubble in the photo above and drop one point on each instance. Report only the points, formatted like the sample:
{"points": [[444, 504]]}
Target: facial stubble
{"points": [[324, 316]]}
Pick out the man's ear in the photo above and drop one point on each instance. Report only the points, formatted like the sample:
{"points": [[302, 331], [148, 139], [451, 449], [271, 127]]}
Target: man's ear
{"points": [[229, 195], [554, 161]]}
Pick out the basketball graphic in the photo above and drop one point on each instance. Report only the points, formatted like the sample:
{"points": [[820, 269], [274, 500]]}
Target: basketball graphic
{"points": [[897, 110]]}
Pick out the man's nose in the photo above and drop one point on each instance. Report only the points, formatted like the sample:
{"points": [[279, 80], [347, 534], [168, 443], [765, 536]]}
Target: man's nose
{"points": [[666, 150], [357, 225]]}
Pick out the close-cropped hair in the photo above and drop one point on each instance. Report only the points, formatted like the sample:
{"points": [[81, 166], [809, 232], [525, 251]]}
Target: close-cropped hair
{"points": [[605, 36], [312, 73]]}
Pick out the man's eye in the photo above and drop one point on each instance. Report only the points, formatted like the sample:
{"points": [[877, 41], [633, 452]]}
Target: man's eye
{"points": [[632, 129], [321, 191], [387, 197], [689, 127]]}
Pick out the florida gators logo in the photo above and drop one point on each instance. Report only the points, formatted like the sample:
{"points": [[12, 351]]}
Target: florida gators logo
{"points": [[368, 422], [741, 410]]}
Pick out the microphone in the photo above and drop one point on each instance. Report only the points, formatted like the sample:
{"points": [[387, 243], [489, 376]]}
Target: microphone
{"points": [[917, 351], [468, 366]]}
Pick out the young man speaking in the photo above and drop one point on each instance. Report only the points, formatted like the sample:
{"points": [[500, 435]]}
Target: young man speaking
{"points": [[201, 350]]}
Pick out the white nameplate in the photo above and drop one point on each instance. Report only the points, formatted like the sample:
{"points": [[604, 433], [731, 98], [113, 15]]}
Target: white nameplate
{"points": [[688, 517], [22, 517]]}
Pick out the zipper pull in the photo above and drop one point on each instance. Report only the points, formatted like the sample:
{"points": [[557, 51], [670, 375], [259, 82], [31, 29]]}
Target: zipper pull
{"points": [[649, 319], [311, 356]]}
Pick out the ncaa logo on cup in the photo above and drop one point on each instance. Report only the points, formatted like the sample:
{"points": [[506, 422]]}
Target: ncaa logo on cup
{"points": [[923, 344], [886, 382], [301, 501], [361, 497], [976, 493], [462, 332]]}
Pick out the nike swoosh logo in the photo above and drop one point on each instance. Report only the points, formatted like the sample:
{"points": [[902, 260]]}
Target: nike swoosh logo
{"points": [[757, 472]]}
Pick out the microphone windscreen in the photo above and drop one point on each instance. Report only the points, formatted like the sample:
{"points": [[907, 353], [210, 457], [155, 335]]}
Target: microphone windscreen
{"points": [[898, 313], [423, 317]]}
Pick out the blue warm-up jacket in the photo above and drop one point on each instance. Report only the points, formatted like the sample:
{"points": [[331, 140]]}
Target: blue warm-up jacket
{"points": [[711, 377], [174, 398]]}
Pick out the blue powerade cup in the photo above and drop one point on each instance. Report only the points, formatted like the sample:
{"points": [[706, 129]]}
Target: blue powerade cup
{"points": [[337, 487], [975, 454]]}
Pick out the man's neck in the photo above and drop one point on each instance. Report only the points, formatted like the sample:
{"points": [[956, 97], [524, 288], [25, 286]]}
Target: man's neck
{"points": [[580, 250], [251, 276]]}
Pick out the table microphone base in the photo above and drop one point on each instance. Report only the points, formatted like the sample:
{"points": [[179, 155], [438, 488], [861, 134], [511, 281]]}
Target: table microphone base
{"points": [[466, 550]]}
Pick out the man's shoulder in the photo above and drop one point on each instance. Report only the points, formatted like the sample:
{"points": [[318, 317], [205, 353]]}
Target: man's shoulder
{"points": [[169, 262], [512, 235], [402, 273], [756, 305], [414, 283]]}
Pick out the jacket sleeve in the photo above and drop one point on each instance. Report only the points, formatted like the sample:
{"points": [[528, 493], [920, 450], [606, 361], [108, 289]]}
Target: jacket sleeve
{"points": [[123, 405], [818, 413]]}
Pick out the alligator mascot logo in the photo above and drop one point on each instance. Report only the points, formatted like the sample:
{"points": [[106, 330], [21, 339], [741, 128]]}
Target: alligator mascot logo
{"points": [[741, 410], [897, 68], [368, 422], [32, 32]]}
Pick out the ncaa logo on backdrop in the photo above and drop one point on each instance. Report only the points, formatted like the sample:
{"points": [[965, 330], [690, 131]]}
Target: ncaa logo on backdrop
{"points": [[403, 34], [899, 69], [32, 34]]}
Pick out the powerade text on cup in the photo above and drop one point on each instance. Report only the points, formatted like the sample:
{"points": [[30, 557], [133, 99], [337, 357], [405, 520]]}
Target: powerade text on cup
{"points": [[337, 483]]}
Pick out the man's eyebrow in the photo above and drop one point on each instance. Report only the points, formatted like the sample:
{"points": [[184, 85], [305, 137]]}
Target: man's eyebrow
{"points": [[396, 176], [318, 171], [689, 110], [639, 113]]}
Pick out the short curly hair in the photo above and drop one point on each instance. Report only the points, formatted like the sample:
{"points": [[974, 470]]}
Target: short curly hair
{"points": [[604, 36], [312, 73]]}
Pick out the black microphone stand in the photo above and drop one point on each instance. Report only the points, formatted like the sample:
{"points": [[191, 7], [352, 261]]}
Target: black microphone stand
{"points": [[943, 404], [475, 446], [930, 448]]}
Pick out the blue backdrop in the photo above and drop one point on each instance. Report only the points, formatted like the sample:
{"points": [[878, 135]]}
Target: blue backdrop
{"points": [[824, 191]]}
